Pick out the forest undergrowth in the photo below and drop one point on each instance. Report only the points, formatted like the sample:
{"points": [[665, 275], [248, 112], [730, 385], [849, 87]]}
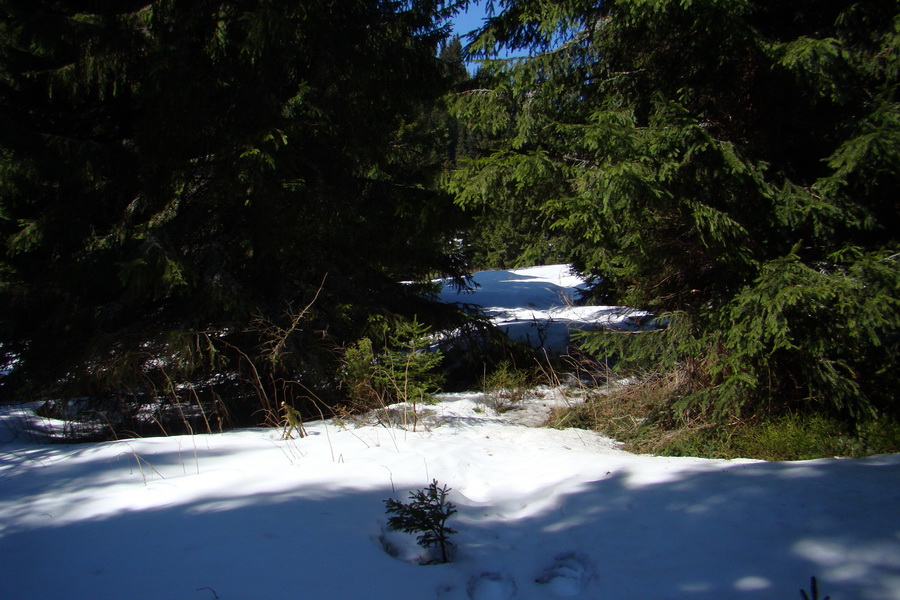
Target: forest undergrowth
{"points": [[641, 411]]}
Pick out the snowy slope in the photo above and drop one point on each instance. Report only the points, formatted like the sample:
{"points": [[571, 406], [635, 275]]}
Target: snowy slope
{"points": [[542, 514]]}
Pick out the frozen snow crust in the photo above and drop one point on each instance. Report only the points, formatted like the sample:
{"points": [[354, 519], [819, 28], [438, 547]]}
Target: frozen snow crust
{"points": [[543, 514]]}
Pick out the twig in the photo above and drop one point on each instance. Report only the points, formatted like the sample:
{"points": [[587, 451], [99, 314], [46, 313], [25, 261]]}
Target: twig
{"points": [[139, 460]]}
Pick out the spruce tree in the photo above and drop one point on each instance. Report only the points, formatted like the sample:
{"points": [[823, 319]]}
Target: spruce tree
{"points": [[180, 180], [733, 167]]}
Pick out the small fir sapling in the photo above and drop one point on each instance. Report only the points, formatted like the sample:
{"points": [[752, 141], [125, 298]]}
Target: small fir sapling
{"points": [[427, 514], [814, 585]]}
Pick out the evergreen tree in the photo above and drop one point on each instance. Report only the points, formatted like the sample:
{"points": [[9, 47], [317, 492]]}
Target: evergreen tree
{"points": [[178, 180], [732, 166]]}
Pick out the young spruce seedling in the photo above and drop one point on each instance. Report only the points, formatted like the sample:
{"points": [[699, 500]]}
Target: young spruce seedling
{"points": [[427, 513], [814, 585]]}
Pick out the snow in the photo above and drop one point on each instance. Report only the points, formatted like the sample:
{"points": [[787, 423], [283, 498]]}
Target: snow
{"points": [[542, 514], [538, 305]]}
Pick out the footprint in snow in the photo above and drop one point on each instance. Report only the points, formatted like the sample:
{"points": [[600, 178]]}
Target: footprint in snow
{"points": [[567, 576], [448, 592], [491, 586]]}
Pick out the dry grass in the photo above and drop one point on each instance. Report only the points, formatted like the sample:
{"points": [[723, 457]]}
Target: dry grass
{"points": [[636, 411], [642, 414], [617, 413]]}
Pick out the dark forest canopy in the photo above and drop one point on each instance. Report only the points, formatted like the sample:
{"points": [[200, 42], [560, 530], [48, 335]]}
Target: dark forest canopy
{"points": [[733, 166], [178, 180], [234, 190]]}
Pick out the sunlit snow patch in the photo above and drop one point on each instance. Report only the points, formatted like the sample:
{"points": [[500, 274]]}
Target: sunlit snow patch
{"points": [[539, 305]]}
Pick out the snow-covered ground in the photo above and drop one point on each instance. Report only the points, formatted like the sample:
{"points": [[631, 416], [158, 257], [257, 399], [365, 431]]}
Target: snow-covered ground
{"points": [[542, 514], [538, 305]]}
